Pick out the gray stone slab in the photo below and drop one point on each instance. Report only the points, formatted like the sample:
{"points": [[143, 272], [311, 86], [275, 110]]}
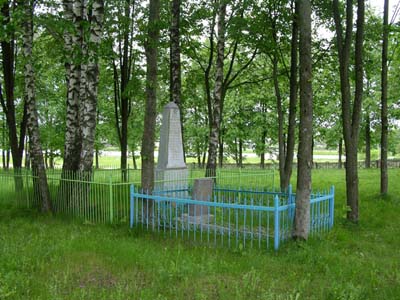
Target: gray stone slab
{"points": [[202, 190]]}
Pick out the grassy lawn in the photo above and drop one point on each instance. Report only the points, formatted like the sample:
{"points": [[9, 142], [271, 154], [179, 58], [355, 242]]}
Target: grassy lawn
{"points": [[43, 257]]}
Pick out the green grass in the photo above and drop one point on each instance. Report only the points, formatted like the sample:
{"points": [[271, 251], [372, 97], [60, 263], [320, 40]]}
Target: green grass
{"points": [[43, 257]]}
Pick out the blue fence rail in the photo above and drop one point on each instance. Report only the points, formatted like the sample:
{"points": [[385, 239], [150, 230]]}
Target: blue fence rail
{"points": [[232, 218]]}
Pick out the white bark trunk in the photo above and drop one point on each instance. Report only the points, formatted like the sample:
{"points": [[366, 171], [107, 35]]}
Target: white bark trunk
{"points": [[218, 94], [73, 14], [35, 147], [89, 104]]}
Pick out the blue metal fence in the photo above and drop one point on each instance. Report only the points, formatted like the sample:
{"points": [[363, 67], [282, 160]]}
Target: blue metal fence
{"points": [[233, 218]]}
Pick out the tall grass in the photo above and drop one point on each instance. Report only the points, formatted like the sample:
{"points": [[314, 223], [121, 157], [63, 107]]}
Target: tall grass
{"points": [[44, 257]]}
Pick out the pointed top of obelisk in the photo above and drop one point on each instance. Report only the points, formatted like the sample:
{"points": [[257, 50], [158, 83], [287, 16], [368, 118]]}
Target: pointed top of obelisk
{"points": [[171, 105]]}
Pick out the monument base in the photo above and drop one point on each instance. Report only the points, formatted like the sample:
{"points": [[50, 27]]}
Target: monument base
{"points": [[197, 220], [172, 182]]}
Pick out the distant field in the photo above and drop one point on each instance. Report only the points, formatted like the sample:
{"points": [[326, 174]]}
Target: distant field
{"points": [[250, 158], [111, 159]]}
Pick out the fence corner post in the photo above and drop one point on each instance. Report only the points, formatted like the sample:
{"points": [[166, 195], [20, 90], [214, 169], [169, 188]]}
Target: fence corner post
{"points": [[111, 201], [276, 222], [331, 206], [132, 207]]}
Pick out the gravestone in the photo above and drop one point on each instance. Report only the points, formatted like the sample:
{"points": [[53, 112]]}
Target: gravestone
{"points": [[171, 171], [202, 190]]}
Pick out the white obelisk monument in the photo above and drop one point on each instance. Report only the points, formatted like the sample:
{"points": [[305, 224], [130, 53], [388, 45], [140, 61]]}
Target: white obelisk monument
{"points": [[171, 170]]}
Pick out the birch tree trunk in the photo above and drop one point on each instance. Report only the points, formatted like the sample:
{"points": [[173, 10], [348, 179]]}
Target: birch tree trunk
{"points": [[207, 70], [35, 147], [148, 139], [73, 44], [218, 94], [302, 213], [384, 110], [89, 105], [67, 36], [84, 34], [82, 74]]}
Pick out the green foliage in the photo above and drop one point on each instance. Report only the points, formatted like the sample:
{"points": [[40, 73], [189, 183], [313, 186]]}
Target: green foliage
{"points": [[250, 97]]}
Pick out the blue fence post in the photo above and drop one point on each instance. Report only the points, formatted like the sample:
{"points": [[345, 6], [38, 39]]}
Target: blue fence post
{"points": [[276, 222], [331, 206], [132, 206]]}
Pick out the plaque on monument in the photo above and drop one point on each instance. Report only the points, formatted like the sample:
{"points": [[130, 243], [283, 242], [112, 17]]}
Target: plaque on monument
{"points": [[171, 171]]}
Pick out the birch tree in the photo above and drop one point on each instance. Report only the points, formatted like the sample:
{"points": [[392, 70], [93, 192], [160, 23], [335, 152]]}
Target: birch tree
{"points": [[35, 146], [72, 45], [89, 105], [82, 37], [218, 93]]}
